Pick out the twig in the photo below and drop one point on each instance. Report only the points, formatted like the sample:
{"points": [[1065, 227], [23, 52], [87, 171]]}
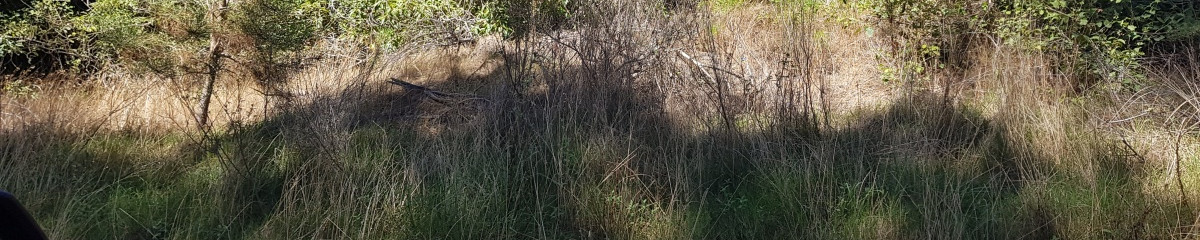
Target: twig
{"points": [[697, 63], [1129, 118], [139, 223], [1131, 149], [1179, 172]]}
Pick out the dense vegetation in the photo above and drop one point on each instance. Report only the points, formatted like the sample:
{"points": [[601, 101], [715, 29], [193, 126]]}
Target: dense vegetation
{"points": [[647, 119]]}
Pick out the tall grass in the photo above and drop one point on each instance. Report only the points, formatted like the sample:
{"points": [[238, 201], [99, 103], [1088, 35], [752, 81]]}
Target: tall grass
{"points": [[629, 123]]}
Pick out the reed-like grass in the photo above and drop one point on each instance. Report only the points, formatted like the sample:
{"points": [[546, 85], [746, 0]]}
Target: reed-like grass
{"points": [[633, 124]]}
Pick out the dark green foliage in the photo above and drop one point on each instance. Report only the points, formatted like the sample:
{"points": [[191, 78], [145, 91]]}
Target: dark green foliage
{"points": [[1095, 40], [278, 32], [143, 34], [397, 25], [135, 34], [524, 16], [279, 26], [42, 35]]}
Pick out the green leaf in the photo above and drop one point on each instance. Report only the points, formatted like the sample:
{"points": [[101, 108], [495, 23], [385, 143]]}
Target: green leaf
{"points": [[1058, 4]]}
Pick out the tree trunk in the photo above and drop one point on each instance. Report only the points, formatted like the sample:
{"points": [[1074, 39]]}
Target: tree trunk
{"points": [[216, 16]]}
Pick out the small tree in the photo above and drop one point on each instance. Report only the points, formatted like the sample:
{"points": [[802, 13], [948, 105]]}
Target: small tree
{"points": [[279, 31], [216, 48]]}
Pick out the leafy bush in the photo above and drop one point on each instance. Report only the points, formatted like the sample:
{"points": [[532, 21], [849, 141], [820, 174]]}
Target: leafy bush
{"points": [[1108, 34], [526, 16], [927, 35], [44, 32], [393, 24], [122, 32], [127, 32], [279, 26], [113, 26], [1107, 37], [1171, 20]]}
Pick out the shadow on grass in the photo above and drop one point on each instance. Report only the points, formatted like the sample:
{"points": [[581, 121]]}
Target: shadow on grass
{"points": [[573, 161], [594, 155]]}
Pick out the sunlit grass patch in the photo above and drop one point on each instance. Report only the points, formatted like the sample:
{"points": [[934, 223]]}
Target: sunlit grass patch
{"points": [[865, 213], [618, 212], [1109, 208]]}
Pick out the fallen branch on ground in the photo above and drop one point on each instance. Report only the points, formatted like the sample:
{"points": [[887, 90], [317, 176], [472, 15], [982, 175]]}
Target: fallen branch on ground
{"points": [[435, 95]]}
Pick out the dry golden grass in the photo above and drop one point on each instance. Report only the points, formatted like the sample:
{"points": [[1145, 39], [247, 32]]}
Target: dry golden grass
{"points": [[116, 101], [121, 102]]}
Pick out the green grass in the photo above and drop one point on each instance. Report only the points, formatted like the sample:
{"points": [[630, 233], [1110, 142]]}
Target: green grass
{"points": [[910, 170], [896, 172], [589, 158]]}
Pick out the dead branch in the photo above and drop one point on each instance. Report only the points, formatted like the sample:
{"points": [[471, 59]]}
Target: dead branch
{"points": [[436, 96]]}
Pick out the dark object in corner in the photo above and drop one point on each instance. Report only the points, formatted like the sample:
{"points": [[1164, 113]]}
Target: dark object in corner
{"points": [[15, 222]]}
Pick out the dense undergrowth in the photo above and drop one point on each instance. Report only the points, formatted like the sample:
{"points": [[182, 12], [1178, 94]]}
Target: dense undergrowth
{"points": [[620, 119]]}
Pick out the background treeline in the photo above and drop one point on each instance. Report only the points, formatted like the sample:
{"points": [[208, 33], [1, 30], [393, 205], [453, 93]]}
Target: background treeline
{"points": [[82, 36], [1092, 40], [162, 36], [1106, 37]]}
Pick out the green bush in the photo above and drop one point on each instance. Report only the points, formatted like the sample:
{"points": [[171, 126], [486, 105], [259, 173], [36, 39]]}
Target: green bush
{"points": [[926, 36], [280, 26], [516, 18], [1094, 39], [1109, 35], [159, 35], [44, 30], [394, 24], [114, 26], [1167, 20], [123, 32]]}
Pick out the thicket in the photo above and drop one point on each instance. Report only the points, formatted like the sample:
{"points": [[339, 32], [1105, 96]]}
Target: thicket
{"points": [[161, 36], [1095, 41], [1098, 40]]}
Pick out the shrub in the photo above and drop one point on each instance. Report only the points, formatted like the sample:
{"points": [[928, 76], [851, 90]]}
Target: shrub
{"points": [[1108, 34], [394, 24], [43, 33], [279, 26], [113, 26], [278, 30], [54, 36], [1095, 39], [121, 32], [521, 17]]}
